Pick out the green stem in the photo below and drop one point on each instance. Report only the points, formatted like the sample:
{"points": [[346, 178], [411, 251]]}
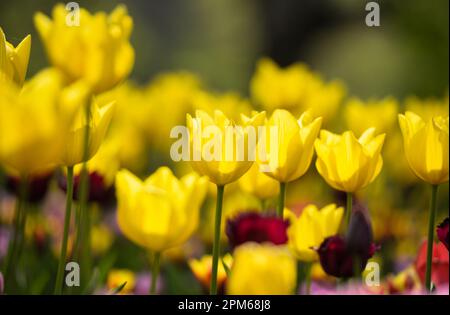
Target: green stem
{"points": [[155, 272], [281, 199], [216, 244], [434, 189], [308, 269], [18, 234], [348, 212], [63, 254]]}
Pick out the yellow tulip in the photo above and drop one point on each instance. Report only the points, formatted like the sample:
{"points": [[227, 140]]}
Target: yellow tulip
{"points": [[228, 160], [34, 122], [97, 50], [258, 184], [288, 145], [118, 277], [426, 146], [347, 163], [160, 212], [380, 114], [202, 269], [100, 118], [14, 60], [295, 88], [262, 269], [310, 229]]}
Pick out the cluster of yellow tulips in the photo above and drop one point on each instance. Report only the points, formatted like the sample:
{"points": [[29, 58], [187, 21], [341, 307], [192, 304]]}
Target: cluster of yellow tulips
{"points": [[78, 115]]}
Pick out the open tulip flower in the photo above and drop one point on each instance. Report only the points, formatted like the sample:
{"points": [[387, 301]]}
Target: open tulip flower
{"points": [[160, 212], [96, 50], [308, 231], [429, 163], [14, 60], [287, 148]]}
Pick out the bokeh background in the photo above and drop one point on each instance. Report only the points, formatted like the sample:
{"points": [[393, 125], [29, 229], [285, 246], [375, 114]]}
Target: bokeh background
{"points": [[221, 40]]}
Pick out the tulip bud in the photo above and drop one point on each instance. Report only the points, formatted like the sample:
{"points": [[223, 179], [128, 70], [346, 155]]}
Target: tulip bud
{"points": [[442, 232], [255, 227]]}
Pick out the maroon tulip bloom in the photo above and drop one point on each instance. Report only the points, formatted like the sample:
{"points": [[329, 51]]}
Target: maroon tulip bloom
{"points": [[35, 190], [98, 191], [255, 227], [442, 232], [341, 256]]}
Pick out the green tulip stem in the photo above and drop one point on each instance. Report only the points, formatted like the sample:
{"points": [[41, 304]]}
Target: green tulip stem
{"points": [[348, 212], [216, 244], [434, 190], [281, 199], [155, 272], [14, 248], [308, 270], [63, 253]]}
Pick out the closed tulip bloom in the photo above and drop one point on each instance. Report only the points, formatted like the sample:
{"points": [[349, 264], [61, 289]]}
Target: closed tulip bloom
{"points": [[288, 145], [262, 269], [201, 268], [308, 231], [259, 184], [99, 121], [347, 163], [426, 146], [46, 107], [160, 212], [14, 60], [220, 151], [97, 50]]}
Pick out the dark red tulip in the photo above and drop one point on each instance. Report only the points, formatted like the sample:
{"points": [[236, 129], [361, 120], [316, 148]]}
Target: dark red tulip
{"points": [[35, 190], [341, 256], [98, 191], [439, 266], [255, 227], [442, 232]]}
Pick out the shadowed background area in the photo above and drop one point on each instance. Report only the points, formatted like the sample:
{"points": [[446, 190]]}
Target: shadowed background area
{"points": [[221, 40]]}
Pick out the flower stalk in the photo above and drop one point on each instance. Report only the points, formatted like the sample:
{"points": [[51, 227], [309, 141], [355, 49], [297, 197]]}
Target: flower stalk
{"points": [[155, 272], [281, 199], [216, 244], [434, 190]]}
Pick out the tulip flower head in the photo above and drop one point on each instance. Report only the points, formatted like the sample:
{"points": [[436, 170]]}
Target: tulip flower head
{"points": [[220, 150], [99, 120], [160, 212], [47, 106], [14, 60], [261, 269], [255, 227], [286, 150], [97, 50], [347, 163], [426, 146], [201, 268], [308, 231]]}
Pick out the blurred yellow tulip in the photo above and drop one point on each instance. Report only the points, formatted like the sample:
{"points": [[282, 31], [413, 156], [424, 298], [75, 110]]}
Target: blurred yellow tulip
{"points": [[380, 114], [295, 88], [97, 50], [347, 163], [426, 146], [117, 277], [310, 229], [99, 120], [202, 268], [14, 60], [34, 122], [262, 269], [258, 184], [229, 161], [160, 212], [288, 145]]}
